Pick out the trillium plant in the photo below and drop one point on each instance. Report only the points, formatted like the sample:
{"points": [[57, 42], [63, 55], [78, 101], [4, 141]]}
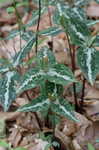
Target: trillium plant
{"points": [[47, 74]]}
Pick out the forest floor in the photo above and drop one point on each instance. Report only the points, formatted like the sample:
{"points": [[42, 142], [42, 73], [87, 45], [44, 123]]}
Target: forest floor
{"points": [[22, 129]]}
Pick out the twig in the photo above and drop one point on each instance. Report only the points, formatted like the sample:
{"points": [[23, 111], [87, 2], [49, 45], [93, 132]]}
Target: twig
{"points": [[38, 25]]}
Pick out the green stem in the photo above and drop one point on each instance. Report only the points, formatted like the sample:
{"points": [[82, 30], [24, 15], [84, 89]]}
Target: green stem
{"points": [[43, 88]]}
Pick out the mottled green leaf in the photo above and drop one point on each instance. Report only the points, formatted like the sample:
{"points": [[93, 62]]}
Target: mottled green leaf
{"points": [[96, 41], [60, 74], [27, 35], [60, 11], [5, 66], [77, 13], [7, 92], [45, 58], [80, 3], [34, 17], [92, 22], [31, 79], [52, 31], [23, 52], [3, 69], [62, 107], [38, 104], [68, 13], [88, 61], [77, 30], [53, 89], [13, 34]]}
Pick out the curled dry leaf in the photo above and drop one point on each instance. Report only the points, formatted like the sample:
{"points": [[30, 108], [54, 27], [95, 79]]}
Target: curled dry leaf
{"points": [[28, 122], [7, 116], [21, 101], [15, 136], [92, 111], [68, 130], [64, 139], [92, 93], [38, 144], [61, 51], [83, 122], [28, 139], [76, 145], [67, 127], [88, 132], [78, 73], [92, 133], [9, 48]]}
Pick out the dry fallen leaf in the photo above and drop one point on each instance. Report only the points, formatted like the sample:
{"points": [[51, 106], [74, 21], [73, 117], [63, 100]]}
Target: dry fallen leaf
{"points": [[15, 136], [65, 140], [7, 116], [38, 144], [76, 145], [92, 93], [21, 101], [88, 132], [93, 10], [28, 122], [92, 111], [67, 127]]}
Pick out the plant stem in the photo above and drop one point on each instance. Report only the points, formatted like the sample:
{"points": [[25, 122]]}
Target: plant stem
{"points": [[72, 55], [83, 94], [38, 25], [74, 84], [50, 22], [38, 121], [18, 20]]}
